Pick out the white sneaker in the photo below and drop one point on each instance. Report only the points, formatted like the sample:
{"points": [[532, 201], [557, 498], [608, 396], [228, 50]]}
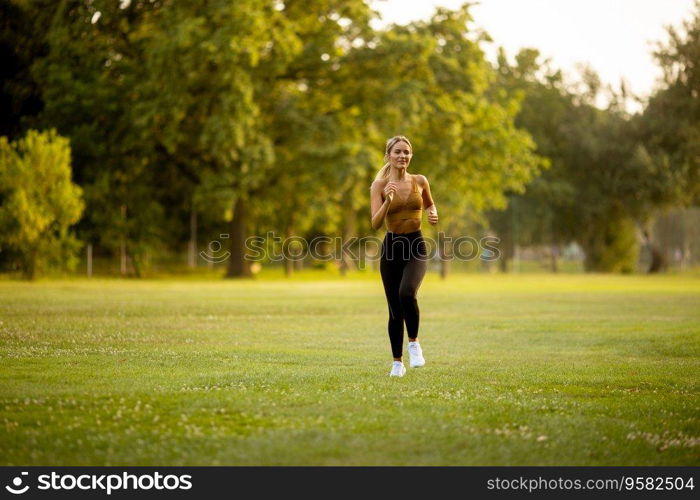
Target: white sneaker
{"points": [[416, 355], [397, 369]]}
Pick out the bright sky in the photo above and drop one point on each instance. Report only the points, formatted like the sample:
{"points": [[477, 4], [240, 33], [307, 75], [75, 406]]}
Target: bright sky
{"points": [[614, 36]]}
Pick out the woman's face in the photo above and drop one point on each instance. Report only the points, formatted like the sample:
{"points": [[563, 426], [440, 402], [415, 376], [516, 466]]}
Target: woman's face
{"points": [[400, 155]]}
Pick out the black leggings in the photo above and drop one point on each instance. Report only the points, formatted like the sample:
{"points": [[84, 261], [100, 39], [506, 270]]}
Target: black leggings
{"points": [[403, 264]]}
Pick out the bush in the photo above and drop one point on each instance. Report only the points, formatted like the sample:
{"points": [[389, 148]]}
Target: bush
{"points": [[38, 204], [611, 246]]}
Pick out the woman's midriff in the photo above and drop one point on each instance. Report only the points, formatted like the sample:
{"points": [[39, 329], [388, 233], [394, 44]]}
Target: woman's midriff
{"points": [[403, 225]]}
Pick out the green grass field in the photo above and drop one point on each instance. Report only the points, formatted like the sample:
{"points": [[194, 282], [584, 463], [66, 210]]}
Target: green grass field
{"points": [[521, 370]]}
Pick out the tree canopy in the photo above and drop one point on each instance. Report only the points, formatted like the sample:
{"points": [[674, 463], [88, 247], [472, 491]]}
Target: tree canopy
{"points": [[271, 116]]}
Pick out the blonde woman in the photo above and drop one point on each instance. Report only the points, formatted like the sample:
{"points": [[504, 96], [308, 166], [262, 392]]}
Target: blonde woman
{"points": [[399, 198]]}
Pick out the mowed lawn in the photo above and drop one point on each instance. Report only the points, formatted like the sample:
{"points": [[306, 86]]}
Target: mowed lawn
{"points": [[521, 370]]}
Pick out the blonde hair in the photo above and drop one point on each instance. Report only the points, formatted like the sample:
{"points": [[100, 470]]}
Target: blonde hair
{"points": [[384, 171]]}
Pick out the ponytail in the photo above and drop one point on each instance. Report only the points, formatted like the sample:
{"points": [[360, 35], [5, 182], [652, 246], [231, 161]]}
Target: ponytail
{"points": [[383, 172]]}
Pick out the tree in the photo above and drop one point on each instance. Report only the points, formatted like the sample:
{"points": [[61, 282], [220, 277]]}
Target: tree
{"points": [[531, 216], [88, 78], [669, 128], [599, 182], [313, 134], [198, 104], [20, 43], [671, 121], [38, 202]]}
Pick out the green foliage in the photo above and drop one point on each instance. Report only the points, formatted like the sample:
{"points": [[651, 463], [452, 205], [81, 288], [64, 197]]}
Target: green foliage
{"points": [[38, 202], [317, 137], [610, 245], [88, 79], [608, 171], [20, 43], [601, 179], [670, 125], [179, 106]]}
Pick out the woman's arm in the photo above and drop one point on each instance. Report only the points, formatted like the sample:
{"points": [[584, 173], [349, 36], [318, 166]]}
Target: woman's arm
{"points": [[428, 202], [379, 206]]}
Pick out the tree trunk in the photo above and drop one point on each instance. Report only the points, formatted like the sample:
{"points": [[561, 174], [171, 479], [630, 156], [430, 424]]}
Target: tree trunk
{"points": [[29, 265], [505, 245], [136, 264], [658, 261], [122, 244], [238, 267], [192, 247], [515, 233], [348, 232], [685, 256], [89, 260], [554, 254], [444, 269], [288, 263], [444, 257]]}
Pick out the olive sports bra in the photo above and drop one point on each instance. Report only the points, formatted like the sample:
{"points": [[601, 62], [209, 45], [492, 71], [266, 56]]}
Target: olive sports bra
{"points": [[410, 208]]}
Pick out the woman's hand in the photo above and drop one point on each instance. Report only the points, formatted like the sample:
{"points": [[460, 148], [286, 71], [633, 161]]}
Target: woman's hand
{"points": [[432, 215], [390, 191], [428, 202]]}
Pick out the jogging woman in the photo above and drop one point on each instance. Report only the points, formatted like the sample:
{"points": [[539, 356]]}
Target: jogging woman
{"points": [[399, 198]]}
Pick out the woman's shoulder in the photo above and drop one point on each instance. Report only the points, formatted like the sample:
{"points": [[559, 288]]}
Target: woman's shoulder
{"points": [[420, 179], [379, 183]]}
